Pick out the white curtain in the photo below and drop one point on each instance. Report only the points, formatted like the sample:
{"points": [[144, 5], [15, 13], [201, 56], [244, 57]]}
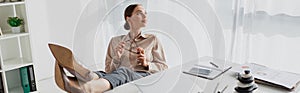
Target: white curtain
{"points": [[274, 7], [268, 33]]}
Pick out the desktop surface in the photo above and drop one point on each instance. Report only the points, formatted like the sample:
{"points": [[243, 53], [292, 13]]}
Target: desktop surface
{"points": [[173, 80]]}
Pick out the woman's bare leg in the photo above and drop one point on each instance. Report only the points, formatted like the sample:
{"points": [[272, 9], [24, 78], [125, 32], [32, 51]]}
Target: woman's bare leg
{"points": [[94, 76], [97, 86]]}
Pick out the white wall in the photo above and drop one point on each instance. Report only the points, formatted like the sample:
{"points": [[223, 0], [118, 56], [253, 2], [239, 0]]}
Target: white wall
{"points": [[50, 21], [39, 29]]}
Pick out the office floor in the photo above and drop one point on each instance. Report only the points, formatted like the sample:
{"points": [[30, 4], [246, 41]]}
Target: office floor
{"points": [[48, 86]]}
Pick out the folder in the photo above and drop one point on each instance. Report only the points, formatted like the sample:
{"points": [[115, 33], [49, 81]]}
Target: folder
{"points": [[24, 79], [31, 79], [1, 84]]}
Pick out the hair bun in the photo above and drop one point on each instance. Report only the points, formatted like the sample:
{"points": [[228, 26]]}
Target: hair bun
{"points": [[126, 26]]}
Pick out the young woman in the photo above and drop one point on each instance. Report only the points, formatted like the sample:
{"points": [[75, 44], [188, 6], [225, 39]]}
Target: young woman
{"points": [[129, 57]]}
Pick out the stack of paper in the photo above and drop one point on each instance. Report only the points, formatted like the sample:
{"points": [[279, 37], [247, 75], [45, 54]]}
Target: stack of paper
{"points": [[270, 76]]}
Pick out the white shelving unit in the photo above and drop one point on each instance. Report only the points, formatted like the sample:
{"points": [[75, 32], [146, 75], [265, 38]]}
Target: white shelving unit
{"points": [[15, 48]]}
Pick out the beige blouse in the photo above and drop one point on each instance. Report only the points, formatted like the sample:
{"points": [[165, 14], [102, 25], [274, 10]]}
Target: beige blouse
{"points": [[154, 54]]}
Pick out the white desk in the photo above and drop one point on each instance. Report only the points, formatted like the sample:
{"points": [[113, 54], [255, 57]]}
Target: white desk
{"points": [[174, 81]]}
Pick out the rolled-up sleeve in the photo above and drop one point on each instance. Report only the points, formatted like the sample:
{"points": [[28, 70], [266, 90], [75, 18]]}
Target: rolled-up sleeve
{"points": [[159, 61]]}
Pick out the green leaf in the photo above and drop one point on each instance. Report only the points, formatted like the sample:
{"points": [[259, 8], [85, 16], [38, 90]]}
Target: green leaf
{"points": [[15, 21]]}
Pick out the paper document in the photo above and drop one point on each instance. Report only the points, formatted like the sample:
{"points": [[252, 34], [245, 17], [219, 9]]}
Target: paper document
{"points": [[267, 75]]}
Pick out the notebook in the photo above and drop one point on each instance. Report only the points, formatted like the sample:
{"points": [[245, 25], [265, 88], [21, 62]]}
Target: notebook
{"points": [[205, 71]]}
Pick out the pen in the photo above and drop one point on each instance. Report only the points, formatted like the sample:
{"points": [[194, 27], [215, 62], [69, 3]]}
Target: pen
{"points": [[216, 87], [214, 64], [224, 89]]}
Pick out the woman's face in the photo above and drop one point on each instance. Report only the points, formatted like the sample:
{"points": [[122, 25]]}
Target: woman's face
{"points": [[138, 18]]}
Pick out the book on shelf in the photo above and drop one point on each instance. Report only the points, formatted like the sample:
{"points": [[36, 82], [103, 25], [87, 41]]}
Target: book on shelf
{"points": [[1, 32], [272, 77], [24, 79], [1, 84], [27, 79], [31, 78]]}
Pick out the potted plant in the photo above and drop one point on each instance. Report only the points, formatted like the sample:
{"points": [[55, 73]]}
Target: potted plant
{"points": [[15, 23]]}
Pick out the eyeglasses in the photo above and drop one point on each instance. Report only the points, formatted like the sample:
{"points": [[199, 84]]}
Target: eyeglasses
{"points": [[131, 51], [130, 43]]}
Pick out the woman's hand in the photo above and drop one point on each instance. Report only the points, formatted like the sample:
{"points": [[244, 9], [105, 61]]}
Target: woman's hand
{"points": [[141, 59], [120, 49]]}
